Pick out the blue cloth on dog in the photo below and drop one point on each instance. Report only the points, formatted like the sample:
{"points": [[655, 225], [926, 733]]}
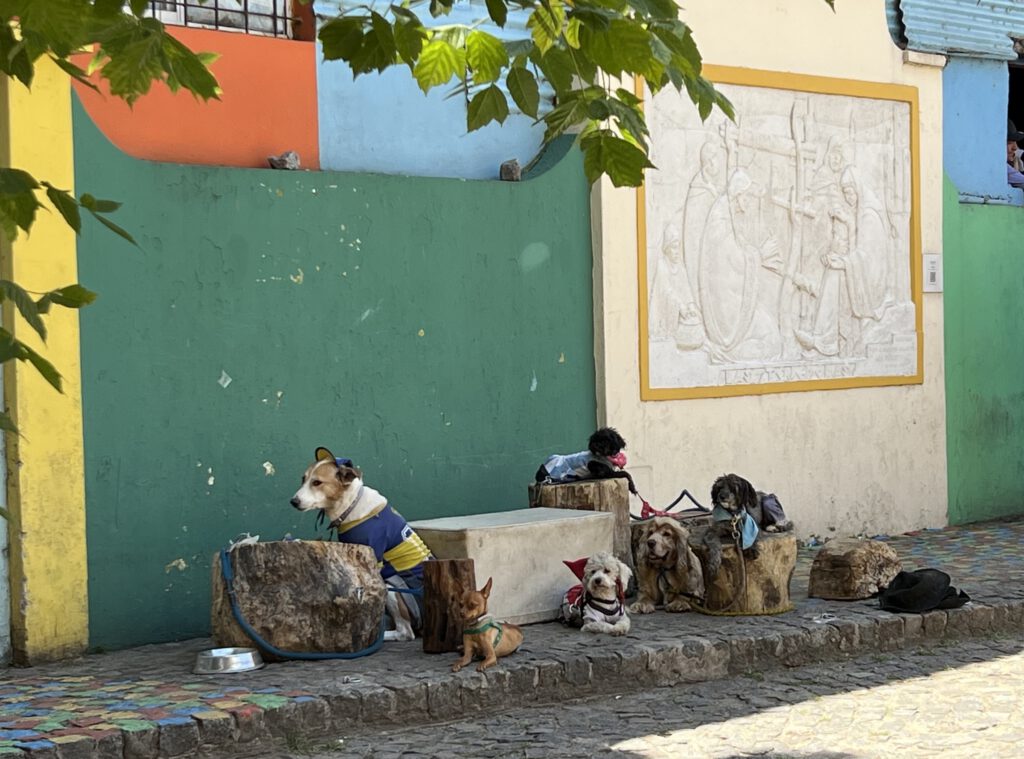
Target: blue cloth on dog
{"points": [[397, 547], [748, 527], [570, 467]]}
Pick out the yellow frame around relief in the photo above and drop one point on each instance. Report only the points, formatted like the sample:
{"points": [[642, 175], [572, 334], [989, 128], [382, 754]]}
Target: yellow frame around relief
{"points": [[824, 86]]}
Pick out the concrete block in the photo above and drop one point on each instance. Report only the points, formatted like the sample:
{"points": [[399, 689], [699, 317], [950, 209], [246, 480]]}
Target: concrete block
{"points": [[523, 551]]}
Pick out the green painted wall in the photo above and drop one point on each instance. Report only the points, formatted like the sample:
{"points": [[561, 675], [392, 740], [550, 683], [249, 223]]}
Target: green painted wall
{"points": [[983, 261], [439, 332]]}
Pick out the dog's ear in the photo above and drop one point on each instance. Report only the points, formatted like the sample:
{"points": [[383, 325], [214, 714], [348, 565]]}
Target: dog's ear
{"points": [[322, 454], [625, 573], [748, 496], [690, 568], [347, 474], [716, 489], [485, 591]]}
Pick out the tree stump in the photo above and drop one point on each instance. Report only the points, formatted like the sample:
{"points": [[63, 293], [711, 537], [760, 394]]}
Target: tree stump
{"points": [[592, 495], [766, 590], [850, 569], [301, 596], [444, 580]]}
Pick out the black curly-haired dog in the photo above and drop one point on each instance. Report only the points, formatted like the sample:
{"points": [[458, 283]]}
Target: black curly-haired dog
{"points": [[734, 495], [603, 459]]}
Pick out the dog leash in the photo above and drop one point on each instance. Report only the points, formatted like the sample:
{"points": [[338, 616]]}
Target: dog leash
{"points": [[649, 512], [227, 570]]}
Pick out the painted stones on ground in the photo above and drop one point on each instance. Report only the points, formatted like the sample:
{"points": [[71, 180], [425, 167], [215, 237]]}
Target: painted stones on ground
{"points": [[850, 569], [299, 596]]}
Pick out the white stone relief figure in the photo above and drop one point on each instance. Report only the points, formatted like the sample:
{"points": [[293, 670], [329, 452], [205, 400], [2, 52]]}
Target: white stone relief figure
{"points": [[870, 267], [673, 312], [738, 327], [705, 188], [834, 330]]}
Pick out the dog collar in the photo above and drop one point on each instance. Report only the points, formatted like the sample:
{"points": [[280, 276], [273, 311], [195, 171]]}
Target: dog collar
{"points": [[341, 520]]}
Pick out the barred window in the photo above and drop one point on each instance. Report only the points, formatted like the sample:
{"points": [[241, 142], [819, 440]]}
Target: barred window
{"points": [[272, 18]]}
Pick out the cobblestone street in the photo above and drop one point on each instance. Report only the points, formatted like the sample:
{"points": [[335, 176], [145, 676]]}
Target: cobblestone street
{"points": [[955, 700]]}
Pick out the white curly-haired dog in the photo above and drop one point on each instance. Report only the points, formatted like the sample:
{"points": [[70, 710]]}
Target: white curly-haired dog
{"points": [[598, 604]]}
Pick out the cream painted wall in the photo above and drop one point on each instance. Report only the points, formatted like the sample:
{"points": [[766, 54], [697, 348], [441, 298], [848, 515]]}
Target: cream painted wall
{"points": [[842, 462]]}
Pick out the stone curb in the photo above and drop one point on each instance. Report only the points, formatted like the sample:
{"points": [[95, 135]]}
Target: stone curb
{"points": [[628, 665]]}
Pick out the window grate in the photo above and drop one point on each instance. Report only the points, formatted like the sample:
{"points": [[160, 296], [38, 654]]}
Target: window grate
{"points": [[265, 17]]}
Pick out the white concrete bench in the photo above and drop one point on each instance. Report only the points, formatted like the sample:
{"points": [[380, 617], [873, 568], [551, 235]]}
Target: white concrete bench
{"points": [[523, 551]]}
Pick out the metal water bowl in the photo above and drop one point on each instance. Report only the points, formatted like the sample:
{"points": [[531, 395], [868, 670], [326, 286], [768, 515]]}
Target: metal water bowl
{"points": [[223, 661]]}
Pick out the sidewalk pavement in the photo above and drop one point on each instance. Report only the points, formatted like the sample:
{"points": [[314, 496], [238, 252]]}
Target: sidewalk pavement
{"points": [[145, 702]]}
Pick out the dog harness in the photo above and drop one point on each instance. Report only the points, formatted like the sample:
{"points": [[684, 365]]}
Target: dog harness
{"points": [[579, 607], [483, 625], [399, 550]]}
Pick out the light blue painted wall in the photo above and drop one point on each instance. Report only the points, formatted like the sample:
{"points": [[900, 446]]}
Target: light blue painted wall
{"points": [[383, 123], [974, 93]]}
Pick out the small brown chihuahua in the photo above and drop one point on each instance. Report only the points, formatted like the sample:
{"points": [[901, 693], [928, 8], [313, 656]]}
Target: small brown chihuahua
{"points": [[481, 636]]}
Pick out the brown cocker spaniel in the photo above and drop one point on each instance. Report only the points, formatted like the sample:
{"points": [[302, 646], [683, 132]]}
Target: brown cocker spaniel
{"points": [[668, 572]]}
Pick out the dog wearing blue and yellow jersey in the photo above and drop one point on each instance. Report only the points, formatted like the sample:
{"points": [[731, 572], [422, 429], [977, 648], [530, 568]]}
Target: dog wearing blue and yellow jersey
{"points": [[361, 515]]}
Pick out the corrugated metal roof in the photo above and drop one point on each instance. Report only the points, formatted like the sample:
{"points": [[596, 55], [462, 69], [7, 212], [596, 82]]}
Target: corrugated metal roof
{"points": [[980, 28]]}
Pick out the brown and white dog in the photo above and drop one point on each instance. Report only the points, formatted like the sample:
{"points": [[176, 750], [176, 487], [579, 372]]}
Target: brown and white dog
{"points": [[668, 572], [361, 515]]}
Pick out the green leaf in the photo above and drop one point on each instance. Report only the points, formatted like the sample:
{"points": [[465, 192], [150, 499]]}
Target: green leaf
{"points": [[624, 47], [7, 425], [545, 23], [572, 33], [26, 306], [74, 72], [134, 67], [95, 204], [71, 296], [44, 367], [486, 106], [557, 67], [113, 227], [438, 63], [10, 347], [486, 56], [409, 37], [565, 116], [522, 85], [498, 11], [18, 202], [606, 153], [14, 59], [378, 50], [138, 6], [64, 202], [342, 37]]}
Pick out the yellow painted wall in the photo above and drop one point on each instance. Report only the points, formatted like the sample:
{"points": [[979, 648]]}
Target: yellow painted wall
{"points": [[45, 484], [841, 461]]}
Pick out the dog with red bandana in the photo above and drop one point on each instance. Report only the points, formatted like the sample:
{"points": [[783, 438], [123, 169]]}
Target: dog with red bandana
{"points": [[597, 604]]}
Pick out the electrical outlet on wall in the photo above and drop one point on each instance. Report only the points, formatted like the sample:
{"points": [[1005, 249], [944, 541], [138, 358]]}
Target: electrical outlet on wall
{"points": [[932, 273]]}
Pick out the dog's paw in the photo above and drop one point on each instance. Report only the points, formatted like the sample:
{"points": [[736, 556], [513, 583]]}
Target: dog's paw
{"points": [[677, 606], [619, 629], [642, 607], [456, 666]]}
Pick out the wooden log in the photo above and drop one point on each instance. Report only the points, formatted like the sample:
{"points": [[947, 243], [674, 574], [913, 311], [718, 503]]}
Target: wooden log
{"points": [[444, 580], [759, 586], [849, 569], [300, 596], [610, 496]]}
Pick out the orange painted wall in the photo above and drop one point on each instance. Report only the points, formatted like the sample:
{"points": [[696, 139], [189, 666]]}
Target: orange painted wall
{"points": [[268, 106]]}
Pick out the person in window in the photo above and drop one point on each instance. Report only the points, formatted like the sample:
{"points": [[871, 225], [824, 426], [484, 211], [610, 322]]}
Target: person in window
{"points": [[1014, 172]]}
